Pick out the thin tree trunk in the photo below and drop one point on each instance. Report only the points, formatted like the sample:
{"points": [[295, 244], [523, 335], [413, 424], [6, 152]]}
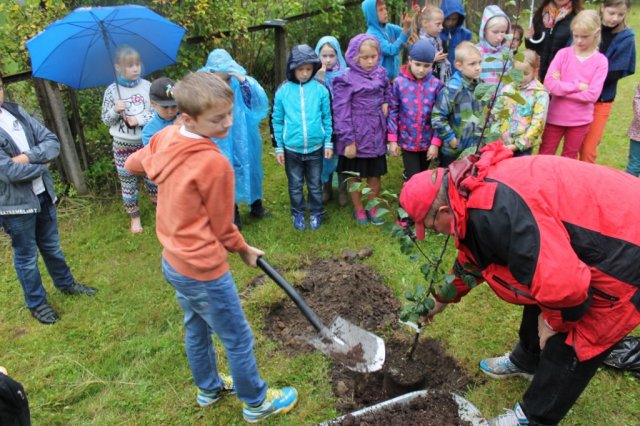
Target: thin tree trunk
{"points": [[53, 107]]}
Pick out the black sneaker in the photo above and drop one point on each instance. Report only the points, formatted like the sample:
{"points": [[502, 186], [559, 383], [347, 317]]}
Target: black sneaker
{"points": [[258, 211], [45, 314], [76, 288]]}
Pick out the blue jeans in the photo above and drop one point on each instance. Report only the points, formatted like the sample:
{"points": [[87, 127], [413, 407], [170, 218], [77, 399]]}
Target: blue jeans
{"points": [[301, 167], [633, 167], [30, 233], [214, 307]]}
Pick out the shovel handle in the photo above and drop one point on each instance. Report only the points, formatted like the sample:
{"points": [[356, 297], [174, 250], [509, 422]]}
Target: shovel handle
{"points": [[315, 321]]}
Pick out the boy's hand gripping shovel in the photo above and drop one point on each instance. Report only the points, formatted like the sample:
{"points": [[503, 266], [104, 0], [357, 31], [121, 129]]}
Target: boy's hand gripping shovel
{"points": [[355, 348]]}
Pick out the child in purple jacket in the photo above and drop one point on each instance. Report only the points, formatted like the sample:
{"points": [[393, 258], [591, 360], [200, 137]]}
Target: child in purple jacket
{"points": [[360, 108], [413, 96]]}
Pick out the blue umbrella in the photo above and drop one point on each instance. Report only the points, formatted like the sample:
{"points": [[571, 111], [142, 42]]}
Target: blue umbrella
{"points": [[77, 50]]}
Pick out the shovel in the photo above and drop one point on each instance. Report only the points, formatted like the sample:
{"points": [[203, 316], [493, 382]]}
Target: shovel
{"points": [[352, 346]]}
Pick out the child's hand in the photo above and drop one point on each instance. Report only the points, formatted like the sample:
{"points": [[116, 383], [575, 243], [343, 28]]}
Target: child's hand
{"points": [[385, 109], [440, 56], [454, 143], [119, 106], [251, 255], [241, 78], [328, 153], [513, 147], [583, 86], [393, 148], [415, 8], [280, 159], [432, 152], [406, 23], [528, 33], [3, 371], [556, 75], [131, 121]]}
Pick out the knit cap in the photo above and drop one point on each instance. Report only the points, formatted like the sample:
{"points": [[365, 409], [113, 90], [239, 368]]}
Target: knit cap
{"points": [[422, 51]]}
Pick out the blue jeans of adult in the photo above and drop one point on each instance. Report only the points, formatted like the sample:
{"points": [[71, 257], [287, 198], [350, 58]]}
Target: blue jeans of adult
{"points": [[32, 232], [214, 307], [633, 167], [301, 168]]}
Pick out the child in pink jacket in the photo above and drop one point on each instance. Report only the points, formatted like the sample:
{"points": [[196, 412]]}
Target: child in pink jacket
{"points": [[574, 80]]}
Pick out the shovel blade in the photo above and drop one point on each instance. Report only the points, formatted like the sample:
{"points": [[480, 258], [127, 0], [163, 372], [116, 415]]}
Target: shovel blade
{"points": [[357, 349]]}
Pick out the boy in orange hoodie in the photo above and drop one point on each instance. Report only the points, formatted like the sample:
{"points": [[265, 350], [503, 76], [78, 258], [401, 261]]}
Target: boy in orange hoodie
{"points": [[195, 226]]}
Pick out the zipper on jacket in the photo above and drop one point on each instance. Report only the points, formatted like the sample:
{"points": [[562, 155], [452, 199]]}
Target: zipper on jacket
{"points": [[304, 119], [603, 295], [515, 291]]}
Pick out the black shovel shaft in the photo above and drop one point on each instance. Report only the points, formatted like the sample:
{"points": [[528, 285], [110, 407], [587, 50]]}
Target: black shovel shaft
{"points": [[293, 294]]}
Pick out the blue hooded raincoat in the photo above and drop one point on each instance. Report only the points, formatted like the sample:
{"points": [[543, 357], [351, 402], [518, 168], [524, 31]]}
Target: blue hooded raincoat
{"points": [[390, 37], [243, 145]]}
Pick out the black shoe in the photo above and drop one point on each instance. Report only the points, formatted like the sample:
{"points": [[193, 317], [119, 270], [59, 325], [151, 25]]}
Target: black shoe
{"points": [[45, 314], [76, 288], [236, 217], [258, 211]]}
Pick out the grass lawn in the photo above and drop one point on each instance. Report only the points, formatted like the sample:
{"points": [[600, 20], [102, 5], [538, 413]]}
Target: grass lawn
{"points": [[119, 358]]}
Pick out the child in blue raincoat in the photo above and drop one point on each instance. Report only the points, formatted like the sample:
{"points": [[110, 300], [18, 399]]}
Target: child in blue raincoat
{"points": [[390, 36], [333, 64], [243, 145]]}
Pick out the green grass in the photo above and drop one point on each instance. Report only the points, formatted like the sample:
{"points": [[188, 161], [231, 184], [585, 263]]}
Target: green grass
{"points": [[119, 358]]}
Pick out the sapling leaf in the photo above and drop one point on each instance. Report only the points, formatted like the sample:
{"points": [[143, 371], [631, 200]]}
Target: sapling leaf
{"points": [[489, 59], [430, 303], [448, 291], [381, 212], [469, 280], [414, 257], [371, 203], [410, 296], [449, 278], [516, 74], [484, 89], [518, 57], [425, 269], [516, 97], [366, 191], [387, 193]]}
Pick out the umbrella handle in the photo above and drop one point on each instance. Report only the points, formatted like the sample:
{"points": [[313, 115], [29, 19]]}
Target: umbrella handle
{"points": [[538, 40]]}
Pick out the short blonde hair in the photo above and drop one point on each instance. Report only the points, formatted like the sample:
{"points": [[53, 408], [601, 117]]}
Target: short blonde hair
{"points": [[589, 21], [531, 58], [465, 50], [199, 91], [430, 11]]}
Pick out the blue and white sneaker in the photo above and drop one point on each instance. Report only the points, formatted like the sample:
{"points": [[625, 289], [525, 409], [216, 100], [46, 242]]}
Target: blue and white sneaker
{"points": [[501, 367], [513, 417], [298, 221], [204, 399], [278, 401], [314, 221]]}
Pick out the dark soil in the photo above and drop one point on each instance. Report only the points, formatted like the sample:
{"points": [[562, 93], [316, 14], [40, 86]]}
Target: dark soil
{"points": [[418, 412], [352, 290], [333, 288]]}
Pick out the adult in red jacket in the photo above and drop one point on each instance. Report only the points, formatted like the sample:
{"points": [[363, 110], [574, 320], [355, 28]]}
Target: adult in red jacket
{"points": [[555, 235]]}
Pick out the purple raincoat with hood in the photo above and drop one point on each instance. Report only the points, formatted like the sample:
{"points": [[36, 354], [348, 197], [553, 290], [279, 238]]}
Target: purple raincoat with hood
{"points": [[357, 104]]}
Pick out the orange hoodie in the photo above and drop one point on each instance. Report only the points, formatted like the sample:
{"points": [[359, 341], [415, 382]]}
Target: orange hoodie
{"points": [[194, 217]]}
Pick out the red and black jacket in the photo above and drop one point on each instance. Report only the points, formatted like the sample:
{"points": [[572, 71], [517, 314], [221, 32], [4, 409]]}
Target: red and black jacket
{"points": [[554, 232]]}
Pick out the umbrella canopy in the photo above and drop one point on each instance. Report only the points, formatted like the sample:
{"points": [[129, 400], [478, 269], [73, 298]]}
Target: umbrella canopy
{"points": [[78, 49]]}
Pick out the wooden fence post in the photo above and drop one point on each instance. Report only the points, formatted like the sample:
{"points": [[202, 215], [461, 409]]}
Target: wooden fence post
{"points": [[51, 102], [280, 50]]}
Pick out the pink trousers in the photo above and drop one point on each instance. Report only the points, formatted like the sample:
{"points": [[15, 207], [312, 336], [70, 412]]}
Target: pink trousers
{"points": [[573, 137]]}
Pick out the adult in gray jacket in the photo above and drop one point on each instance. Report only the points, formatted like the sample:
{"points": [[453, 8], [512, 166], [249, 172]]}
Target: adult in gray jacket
{"points": [[27, 209]]}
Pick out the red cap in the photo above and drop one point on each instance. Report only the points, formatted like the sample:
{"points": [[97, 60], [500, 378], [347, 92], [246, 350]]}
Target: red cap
{"points": [[418, 194]]}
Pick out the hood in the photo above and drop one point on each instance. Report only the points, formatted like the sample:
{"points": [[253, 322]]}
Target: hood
{"points": [[353, 52], [300, 55], [371, 15], [489, 13], [468, 174], [220, 60], [164, 159], [333, 42], [449, 7]]}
